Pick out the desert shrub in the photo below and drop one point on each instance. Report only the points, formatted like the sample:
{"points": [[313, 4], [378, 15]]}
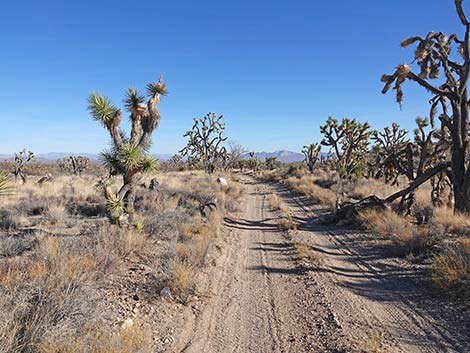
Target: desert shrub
{"points": [[181, 280], [56, 214], [133, 339], [163, 225], [306, 253], [32, 205], [86, 209], [286, 222], [9, 219], [408, 237], [46, 295], [450, 222], [307, 187], [13, 245], [451, 268], [276, 203], [362, 188], [115, 242]]}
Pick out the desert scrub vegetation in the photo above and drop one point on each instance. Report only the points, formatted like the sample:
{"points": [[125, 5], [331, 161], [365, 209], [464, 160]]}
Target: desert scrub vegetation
{"points": [[307, 253], [410, 238], [66, 271], [306, 185], [451, 268]]}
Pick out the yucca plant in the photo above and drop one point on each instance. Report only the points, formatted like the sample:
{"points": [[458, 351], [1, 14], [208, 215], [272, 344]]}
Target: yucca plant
{"points": [[128, 155], [312, 155]]}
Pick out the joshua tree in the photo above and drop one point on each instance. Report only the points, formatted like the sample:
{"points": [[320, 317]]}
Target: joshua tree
{"points": [[128, 155], [253, 162], [397, 155], [349, 141], [21, 159], [390, 146], [437, 54], [312, 154], [176, 162], [272, 163], [205, 141], [74, 164]]}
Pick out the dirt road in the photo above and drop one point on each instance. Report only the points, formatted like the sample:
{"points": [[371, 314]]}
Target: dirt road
{"points": [[356, 298]]}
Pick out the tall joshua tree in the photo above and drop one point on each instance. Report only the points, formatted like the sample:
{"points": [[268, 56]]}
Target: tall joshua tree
{"points": [[312, 155], [439, 54], [128, 155], [205, 142], [21, 159], [349, 141]]}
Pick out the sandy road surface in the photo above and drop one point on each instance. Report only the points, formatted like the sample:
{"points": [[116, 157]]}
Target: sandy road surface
{"points": [[263, 300]]}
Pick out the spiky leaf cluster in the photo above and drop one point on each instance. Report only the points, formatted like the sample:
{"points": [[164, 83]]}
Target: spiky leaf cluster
{"points": [[128, 155]]}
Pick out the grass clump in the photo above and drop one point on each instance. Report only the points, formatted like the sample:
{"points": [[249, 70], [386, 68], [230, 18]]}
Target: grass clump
{"points": [[451, 268], [409, 238]]}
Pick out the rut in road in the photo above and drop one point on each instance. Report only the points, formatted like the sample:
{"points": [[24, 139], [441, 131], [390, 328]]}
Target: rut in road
{"points": [[262, 300]]}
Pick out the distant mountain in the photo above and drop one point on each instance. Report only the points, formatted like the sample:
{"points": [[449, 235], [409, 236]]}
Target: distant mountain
{"points": [[53, 156], [282, 155]]}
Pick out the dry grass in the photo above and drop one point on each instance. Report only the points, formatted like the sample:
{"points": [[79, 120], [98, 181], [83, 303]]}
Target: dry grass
{"points": [[450, 222], [306, 253], [372, 343], [58, 250], [133, 339], [182, 280], [306, 186], [286, 222], [451, 268], [363, 188], [47, 293], [277, 204], [400, 230]]}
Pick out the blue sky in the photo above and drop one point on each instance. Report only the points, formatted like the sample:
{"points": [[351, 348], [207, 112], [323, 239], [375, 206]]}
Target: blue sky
{"points": [[276, 70]]}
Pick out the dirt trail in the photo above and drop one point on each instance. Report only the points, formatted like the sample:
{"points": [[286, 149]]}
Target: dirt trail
{"points": [[263, 300]]}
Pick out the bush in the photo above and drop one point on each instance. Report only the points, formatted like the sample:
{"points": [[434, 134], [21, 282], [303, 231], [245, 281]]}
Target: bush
{"points": [[306, 186], [400, 230], [451, 268], [8, 220]]}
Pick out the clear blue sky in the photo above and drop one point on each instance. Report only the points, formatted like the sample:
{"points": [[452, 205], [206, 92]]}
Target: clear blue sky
{"points": [[275, 69]]}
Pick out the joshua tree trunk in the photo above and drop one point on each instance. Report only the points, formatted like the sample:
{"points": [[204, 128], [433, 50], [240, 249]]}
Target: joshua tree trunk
{"points": [[434, 57]]}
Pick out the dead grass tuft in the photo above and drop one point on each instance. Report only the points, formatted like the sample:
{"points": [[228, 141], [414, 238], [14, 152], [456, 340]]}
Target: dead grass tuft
{"points": [[306, 186], [450, 222], [389, 225], [132, 339], [306, 253], [286, 222], [451, 268]]}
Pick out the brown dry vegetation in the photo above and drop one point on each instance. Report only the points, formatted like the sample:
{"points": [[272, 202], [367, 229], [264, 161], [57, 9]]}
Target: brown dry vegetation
{"points": [[410, 238], [443, 238], [64, 268]]}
